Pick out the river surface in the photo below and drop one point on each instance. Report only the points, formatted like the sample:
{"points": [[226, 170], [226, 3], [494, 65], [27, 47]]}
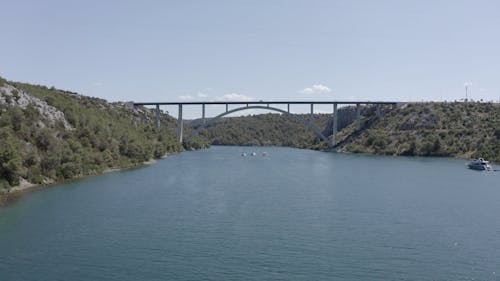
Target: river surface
{"points": [[291, 215]]}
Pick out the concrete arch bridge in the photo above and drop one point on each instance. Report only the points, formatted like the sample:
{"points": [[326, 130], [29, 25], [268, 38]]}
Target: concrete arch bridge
{"points": [[267, 105]]}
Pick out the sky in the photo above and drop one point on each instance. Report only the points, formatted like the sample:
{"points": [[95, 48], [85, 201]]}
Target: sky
{"points": [[255, 50]]}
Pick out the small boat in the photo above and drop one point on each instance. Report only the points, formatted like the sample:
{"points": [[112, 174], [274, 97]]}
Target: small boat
{"points": [[479, 164], [253, 154], [243, 154], [264, 153]]}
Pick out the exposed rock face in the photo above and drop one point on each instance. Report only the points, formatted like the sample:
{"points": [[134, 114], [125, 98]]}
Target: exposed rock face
{"points": [[15, 97]]}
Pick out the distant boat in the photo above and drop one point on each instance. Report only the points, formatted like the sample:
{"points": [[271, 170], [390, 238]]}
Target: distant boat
{"points": [[243, 154], [479, 164], [264, 153], [253, 154]]}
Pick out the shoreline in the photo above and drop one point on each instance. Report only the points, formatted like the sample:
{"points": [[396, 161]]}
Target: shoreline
{"points": [[13, 193], [24, 187]]}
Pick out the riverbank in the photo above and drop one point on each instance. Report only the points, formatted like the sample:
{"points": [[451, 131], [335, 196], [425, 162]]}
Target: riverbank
{"points": [[50, 136], [13, 193]]}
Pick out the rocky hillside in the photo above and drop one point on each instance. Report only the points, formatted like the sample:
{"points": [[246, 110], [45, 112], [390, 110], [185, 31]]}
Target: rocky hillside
{"points": [[430, 129], [48, 135]]}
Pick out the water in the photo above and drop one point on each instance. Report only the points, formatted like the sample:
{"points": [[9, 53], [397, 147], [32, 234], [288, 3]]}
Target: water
{"points": [[293, 215]]}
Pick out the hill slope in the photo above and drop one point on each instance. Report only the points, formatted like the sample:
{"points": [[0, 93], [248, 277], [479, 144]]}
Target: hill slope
{"points": [[432, 129], [264, 130], [48, 135], [277, 129]]}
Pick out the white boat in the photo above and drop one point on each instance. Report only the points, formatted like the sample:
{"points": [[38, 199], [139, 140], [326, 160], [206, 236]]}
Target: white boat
{"points": [[243, 154], [479, 164], [253, 154]]}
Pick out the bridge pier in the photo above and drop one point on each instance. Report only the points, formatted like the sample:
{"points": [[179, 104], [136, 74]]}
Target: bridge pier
{"points": [[157, 116], [227, 107], [334, 125], [203, 113], [312, 113], [288, 108], [358, 117], [180, 124]]}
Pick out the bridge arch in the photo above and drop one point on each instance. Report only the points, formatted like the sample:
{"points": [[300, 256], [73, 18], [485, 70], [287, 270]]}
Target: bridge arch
{"points": [[308, 124]]}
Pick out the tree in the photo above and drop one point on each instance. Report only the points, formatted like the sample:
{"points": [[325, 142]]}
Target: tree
{"points": [[11, 164]]}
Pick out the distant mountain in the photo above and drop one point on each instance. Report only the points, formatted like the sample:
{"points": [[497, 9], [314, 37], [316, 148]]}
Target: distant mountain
{"points": [[48, 135]]}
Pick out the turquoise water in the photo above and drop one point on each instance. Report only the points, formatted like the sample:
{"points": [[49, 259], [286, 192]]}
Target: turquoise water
{"points": [[293, 215]]}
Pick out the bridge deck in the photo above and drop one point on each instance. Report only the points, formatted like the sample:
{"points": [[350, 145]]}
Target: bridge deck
{"points": [[265, 102]]}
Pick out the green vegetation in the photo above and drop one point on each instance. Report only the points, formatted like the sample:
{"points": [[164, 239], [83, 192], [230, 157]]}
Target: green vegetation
{"points": [[434, 129], [279, 129], [265, 129], [101, 136]]}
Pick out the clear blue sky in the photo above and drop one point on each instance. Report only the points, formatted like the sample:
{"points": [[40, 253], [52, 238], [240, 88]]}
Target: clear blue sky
{"points": [[270, 50]]}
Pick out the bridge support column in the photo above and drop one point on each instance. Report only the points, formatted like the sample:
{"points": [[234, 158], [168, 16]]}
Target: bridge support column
{"points": [[157, 116], [288, 108], [227, 107], [203, 113], [180, 124], [378, 111], [312, 113], [335, 124], [358, 117]]}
